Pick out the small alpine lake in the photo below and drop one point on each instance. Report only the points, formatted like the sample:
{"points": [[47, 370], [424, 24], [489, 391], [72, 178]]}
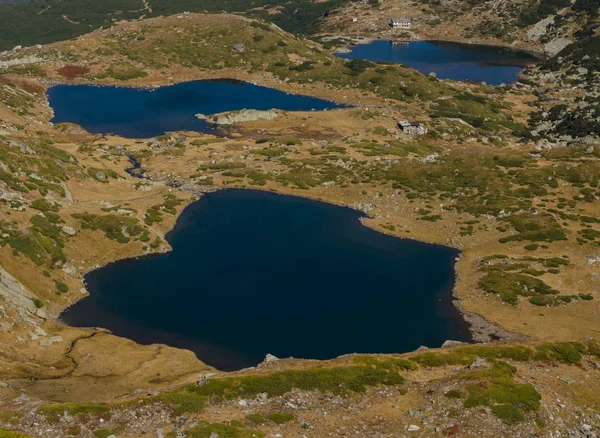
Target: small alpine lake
{"points": [[460, 62], [254, 272], [148, 112]]}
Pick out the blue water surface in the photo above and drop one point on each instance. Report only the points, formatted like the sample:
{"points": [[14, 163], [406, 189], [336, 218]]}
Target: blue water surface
{"points": [[254, 272], [460, 62], [143, 113]]}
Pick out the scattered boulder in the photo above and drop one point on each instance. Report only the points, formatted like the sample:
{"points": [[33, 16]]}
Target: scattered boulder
{"points": [[68, 230], [41, 312], [48, 342], [100, 176], [40, 331], [269, 358], [66, 417], [239, 47], [451, 343], [415, 414], [566, 379], [479, 363], [203, 378], [413, 428]]}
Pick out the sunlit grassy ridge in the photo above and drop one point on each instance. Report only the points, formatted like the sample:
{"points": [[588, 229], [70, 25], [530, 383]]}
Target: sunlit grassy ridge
{"points": [[42, 21], [493, 386]]}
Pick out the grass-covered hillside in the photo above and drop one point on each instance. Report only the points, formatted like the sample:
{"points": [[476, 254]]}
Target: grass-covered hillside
{"points": [[46, 21]]}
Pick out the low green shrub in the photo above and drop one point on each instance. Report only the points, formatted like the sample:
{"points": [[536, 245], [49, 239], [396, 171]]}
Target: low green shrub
{"points": [[207, 430], [55, 412], [561, 351], [280, 418], [4, 433]]}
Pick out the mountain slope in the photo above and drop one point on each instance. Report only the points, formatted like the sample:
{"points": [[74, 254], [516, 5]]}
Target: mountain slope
{"points": [[46, 21]]}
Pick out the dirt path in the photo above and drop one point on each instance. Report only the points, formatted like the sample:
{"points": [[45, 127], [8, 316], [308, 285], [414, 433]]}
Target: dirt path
{"points": [[44, 10], [147, 6], [69, 20]]}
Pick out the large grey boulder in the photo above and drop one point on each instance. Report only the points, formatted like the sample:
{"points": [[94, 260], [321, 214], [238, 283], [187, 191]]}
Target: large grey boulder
{"points": [[244, 115]]}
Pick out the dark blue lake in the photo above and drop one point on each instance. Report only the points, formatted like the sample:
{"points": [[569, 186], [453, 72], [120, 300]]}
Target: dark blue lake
{"points": [[460, 62], [143, 113], [254, 272]]}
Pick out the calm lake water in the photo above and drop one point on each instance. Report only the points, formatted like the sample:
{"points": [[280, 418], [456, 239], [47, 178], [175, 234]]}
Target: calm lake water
{"points": [[253, 273], [460, 62], [143, 113]]}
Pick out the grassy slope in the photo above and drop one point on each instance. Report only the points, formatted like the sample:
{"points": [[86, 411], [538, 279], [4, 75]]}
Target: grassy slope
{"points": [[26, 24], [478, 180]]}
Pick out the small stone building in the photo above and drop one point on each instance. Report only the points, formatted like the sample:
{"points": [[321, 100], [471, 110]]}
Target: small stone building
{"points": [[412, 128], [400, 23]]}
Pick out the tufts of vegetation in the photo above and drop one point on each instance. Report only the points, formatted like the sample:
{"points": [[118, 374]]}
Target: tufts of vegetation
{"points": [[54, 412], [43, 205], [280, 418], [207, 430], [103, 433], [118, 228], [337, 380], [275, 417], [154, 214], [4, 433], [536, 228], [181, 402], [61, 287], [496, 388], [561, 351], [510, 285], [466, 355], [390, 364]]}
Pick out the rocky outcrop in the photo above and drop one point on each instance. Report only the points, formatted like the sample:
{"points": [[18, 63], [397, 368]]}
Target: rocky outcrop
{"points": [[245, 115], [555, 46], [539, 29], [19, 62], [15, 293]]}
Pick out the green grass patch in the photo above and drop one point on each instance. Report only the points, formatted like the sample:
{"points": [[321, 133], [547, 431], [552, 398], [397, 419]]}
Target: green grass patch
{"points": [[466, 355], [496, 388], [103, 433], [390, 364], [181, 402], [510, 285], [560, 351], [338, 380], [61, 287], [55, 412], [280, 418], [455, 393], [536, 228], [5, 433], [43, 205], [208, 430], [112, 225]]}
